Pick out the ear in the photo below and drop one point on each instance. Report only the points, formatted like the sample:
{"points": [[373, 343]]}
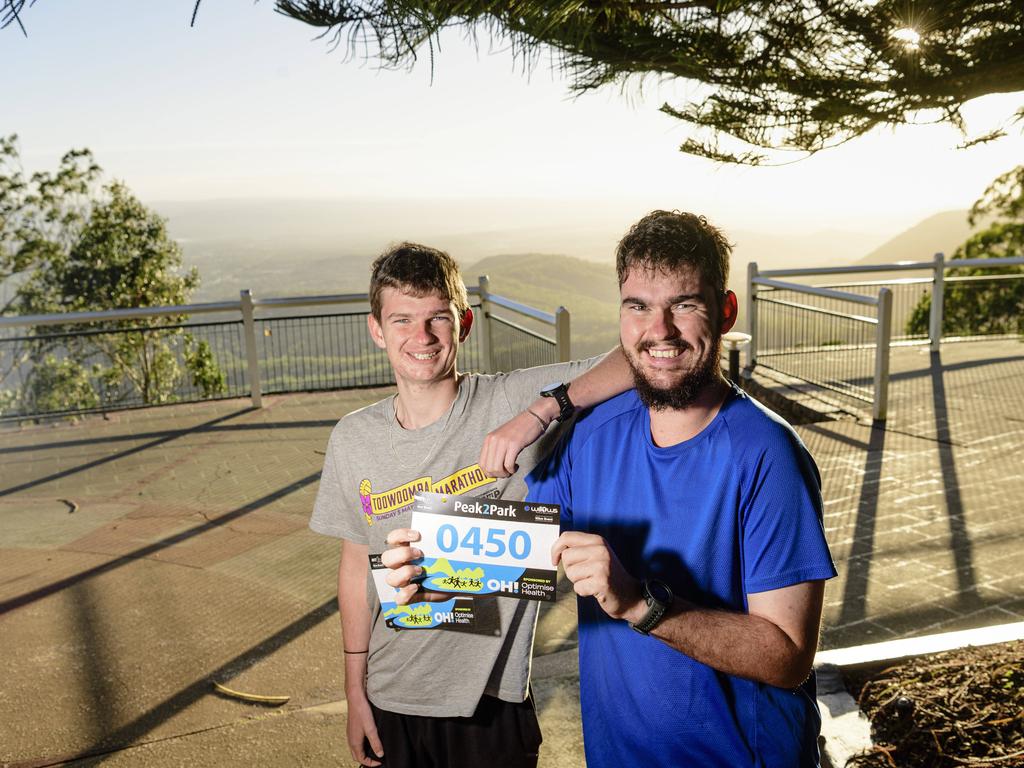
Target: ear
{"points": [[376, 332], [730, 310], [465, 323]]}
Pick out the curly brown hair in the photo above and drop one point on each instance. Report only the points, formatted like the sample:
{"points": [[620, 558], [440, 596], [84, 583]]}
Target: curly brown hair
{"points": [[669, 240]]}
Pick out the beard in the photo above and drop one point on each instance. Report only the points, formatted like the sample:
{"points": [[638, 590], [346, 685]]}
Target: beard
{"points": [[684, 392]]}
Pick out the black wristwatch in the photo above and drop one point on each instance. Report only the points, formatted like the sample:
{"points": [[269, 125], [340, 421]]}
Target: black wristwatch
{"points": [[560, 392], [659, 599]]}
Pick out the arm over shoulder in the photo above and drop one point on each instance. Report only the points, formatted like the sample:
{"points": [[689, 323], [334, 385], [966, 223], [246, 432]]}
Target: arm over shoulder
{"points": [[522, 387]]}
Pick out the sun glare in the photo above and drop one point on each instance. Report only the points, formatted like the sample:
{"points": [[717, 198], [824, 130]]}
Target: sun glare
{"points": [[909, 36]]}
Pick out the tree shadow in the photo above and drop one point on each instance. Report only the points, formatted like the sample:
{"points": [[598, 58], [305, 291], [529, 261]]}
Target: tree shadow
{"points": [[915, 621]]}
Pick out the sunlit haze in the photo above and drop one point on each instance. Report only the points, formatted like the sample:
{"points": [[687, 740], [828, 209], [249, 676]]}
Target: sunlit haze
{"points": [[248, 104]]}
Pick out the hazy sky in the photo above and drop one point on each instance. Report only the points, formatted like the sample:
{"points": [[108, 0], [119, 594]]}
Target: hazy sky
{"points": [[249, 104]]}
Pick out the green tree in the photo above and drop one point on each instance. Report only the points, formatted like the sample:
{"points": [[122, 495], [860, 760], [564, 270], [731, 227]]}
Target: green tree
{"points": [[796, 75], [769, 78], [68, 245], [985, 306]]}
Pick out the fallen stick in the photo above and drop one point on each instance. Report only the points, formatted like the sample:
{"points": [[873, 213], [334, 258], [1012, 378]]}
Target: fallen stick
{"points": [[253, 697]]}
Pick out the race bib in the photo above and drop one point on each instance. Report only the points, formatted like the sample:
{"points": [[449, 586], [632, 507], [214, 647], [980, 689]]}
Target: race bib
{"points": [[478, 546]]}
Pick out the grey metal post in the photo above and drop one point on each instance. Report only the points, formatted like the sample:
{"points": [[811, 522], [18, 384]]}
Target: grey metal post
{"points": [[938, 292], [883, 335], [249, 328], [752, 314], [562, 335], [484, 324]]}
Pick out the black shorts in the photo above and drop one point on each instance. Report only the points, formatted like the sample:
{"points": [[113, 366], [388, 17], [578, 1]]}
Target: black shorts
{"points": [[500, 734]]}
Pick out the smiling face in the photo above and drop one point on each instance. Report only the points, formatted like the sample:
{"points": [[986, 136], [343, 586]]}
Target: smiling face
{"points": [[421, 335], [670, 324]]}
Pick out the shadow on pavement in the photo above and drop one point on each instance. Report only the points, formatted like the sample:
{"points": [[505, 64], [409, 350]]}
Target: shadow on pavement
{"points": [[133, 732], [861, 551], [200, 428], [149, 549], [169, 434], [960, 541]]}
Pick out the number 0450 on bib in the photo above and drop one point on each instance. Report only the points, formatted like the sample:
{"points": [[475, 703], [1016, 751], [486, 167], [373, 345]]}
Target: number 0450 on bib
{"points": [[486, 546]]}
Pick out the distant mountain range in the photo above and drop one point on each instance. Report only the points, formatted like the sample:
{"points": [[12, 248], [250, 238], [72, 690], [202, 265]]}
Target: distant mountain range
{"points": [[302, 246], [941, 233], [563, 257], [589, 289], [295, 247]]}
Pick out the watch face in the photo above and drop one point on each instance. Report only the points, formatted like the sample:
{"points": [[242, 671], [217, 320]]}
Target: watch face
{"points": [[550, 388], [659, 592]]}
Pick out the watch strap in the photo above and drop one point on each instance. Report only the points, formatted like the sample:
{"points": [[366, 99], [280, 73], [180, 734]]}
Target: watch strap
{"points": [[656, 610], [560, 393]]}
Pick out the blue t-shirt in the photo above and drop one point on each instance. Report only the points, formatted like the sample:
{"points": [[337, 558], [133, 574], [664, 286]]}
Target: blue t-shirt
{"points": [[732, 511]]}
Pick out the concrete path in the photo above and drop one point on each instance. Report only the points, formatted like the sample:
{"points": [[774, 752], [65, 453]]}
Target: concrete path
{"points": [[145, 555]]}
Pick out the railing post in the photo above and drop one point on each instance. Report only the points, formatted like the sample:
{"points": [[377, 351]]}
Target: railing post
{"points": [[883, 335], [484, 324], [938, 292], [562, 335], [249, 328], [752, 314]]}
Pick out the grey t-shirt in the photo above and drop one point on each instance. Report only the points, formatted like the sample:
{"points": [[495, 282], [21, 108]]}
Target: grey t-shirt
{"points": [[372, 470]]}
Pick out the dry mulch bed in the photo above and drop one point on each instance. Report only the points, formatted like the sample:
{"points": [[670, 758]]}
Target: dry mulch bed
{"points": [[963, 707]]}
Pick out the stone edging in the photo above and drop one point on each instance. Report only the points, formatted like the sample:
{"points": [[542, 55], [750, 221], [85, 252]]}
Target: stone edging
{"points": [[845, 731]]}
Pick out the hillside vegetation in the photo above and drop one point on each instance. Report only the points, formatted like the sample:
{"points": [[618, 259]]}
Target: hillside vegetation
{"points": [[297, 247], [289, 248], [589, 290]]}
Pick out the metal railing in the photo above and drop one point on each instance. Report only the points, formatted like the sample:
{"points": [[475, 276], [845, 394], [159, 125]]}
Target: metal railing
{"points": [[820, 333], [813, 334], [508, 345], [84, 362]]}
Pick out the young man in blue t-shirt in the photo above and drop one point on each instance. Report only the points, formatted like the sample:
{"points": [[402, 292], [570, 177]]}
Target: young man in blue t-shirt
{"points": [[692, 534]]}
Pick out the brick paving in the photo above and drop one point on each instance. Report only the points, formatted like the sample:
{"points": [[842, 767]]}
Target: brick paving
{"points": [[145, 554], [925, 517]]}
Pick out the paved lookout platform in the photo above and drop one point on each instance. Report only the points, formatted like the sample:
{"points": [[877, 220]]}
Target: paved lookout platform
{"points": [[147, 554]]}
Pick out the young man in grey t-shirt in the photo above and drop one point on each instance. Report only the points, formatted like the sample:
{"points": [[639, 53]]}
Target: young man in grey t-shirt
{"points": [[471, 705]]}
